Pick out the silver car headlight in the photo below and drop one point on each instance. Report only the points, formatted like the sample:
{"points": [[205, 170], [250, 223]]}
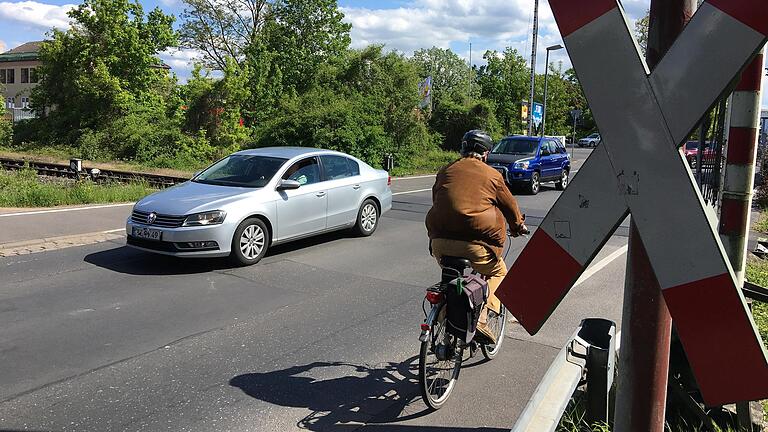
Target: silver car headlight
{"points": [[206, 218], [522, 165]]}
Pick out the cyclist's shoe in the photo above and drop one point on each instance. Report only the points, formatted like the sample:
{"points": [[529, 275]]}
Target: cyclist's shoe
{"points": [[484, 334]]}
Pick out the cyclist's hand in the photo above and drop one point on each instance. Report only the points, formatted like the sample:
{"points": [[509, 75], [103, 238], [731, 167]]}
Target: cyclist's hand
{"points": [[521, 230]]}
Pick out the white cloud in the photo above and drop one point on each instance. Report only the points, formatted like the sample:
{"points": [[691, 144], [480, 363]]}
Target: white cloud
{"points": [[488, 24], [181, 61], [2, 46], [36, 14], [426, 23]]}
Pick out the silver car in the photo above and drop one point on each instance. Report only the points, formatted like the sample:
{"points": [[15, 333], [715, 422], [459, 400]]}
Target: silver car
{"points": [[250, 200]]}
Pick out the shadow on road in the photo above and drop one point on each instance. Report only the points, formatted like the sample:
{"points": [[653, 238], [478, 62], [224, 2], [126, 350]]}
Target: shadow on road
{"points": [[130, 261], [358, 394], [136, 262]]}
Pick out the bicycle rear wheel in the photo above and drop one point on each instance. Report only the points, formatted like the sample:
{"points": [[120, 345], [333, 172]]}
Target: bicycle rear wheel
{"points": [[497, 324], [440, 360]]}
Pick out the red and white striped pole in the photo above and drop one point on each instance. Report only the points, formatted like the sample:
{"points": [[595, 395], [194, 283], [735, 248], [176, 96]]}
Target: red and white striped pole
{"points": [[739, 175], [739, 170]]}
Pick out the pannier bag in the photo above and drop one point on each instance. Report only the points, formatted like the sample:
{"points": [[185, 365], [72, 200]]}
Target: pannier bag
{"points": [[465, 298]]}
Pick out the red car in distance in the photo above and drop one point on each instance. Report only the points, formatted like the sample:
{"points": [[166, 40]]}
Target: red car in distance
{"points": [[691, 151]]}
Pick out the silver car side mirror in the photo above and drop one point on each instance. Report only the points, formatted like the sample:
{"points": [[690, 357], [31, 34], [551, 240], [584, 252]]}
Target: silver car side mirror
{"points": [[288, 184]]}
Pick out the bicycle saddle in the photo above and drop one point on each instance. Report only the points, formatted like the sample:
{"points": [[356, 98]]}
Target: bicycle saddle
{"points": [[456, 263]]}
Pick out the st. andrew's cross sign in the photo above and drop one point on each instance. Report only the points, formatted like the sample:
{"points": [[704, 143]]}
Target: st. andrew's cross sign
{"points": [[637, 169]]}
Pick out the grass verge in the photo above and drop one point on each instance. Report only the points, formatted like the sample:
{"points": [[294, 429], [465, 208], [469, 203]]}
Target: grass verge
{"points": [[428, 162], [761, 224], [25, 189]]}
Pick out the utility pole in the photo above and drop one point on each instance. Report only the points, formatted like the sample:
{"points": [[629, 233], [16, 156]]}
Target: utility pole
{"points": [[739, 175], [647, 325], [470, 71], [533, 64]]}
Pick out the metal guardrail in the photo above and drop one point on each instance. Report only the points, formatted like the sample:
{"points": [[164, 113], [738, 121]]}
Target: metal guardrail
{"points": [[755, 292], [588, 357], [60, 170]]}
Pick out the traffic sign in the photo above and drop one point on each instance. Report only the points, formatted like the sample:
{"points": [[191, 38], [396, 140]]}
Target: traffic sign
{"points": [[575, 114], [538, 113], [637, 169]]}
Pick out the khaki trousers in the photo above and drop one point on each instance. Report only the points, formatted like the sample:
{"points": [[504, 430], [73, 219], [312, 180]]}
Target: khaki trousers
{"points": [[483, 260]]}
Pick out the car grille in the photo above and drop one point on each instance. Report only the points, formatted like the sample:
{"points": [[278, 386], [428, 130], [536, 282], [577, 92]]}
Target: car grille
{"points": [[153, 245], [165, 221], [502, 170]]}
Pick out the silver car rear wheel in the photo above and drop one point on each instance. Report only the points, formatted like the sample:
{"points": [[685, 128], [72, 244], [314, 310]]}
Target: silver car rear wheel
{"points": [[250, 242], [367, 218]]}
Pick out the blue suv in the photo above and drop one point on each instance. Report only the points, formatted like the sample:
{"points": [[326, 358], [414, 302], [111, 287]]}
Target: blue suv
{"points": [[529, 161]]}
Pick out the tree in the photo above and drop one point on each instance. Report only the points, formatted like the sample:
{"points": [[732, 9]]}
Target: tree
{"points": [[450, 74], [6, 127], [302, 35], [222, 29], [103, 67], [363, 104], [641, 31], [504, 81]]}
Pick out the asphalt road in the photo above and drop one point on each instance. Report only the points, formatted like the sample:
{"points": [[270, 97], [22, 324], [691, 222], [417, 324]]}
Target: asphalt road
{"points": [[321, 335]]}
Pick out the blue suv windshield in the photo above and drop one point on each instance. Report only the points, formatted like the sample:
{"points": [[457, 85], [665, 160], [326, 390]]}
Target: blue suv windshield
{"points": [[516, 146]]}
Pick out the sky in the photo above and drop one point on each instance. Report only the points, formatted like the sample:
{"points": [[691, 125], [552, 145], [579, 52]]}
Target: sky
{"points": [[403, 25]]}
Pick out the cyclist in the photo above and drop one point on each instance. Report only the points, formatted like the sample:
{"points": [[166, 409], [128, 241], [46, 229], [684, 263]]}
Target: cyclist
{"points": [[470, 203]]}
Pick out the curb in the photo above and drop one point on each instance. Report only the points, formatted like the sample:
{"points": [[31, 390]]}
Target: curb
{"points": [[28, 247]]}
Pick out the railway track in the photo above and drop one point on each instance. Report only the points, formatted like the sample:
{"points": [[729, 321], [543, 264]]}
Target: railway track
{"points": [[96, 174]]}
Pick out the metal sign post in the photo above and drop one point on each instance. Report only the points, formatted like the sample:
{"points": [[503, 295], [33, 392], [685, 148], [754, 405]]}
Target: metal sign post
{"points": [[637, 169], [575, 115]]}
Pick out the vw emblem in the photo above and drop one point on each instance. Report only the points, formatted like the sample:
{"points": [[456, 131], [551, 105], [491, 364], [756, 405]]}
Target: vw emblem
{"points": [[151, 218]]}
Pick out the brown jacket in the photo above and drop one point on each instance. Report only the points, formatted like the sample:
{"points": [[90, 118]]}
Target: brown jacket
{"points": [[470, 202]]}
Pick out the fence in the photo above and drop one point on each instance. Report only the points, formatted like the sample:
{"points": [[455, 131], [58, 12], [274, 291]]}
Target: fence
{"points": [[18, 114]]}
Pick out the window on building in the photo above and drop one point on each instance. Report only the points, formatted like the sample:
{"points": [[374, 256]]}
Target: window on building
{"points": [[25, 75], [33, 75], [2, 76], [25, 102], [10, 76], [10, 103]]}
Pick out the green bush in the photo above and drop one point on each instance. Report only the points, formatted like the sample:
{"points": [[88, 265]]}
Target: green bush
{"points": [[452, 120]]}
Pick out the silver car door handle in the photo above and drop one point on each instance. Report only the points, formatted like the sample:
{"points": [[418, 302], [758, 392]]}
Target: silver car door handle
{"points": [[320, 194], [356, 187]]}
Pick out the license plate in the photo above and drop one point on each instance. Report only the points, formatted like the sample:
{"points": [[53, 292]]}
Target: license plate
{"points": [[147, 233]]}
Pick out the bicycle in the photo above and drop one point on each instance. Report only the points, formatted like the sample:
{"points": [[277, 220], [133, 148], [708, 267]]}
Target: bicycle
{"points": [[441, 353]]}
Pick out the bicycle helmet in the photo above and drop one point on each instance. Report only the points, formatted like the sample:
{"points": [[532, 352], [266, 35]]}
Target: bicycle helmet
{"points": [[476, 141]]}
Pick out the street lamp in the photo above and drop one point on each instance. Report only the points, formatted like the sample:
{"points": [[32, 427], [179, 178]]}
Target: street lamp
{"points": [[546, 75]]}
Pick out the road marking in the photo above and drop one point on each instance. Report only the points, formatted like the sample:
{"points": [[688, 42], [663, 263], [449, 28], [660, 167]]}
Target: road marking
{"points": [[69, 209], [410, 192], [413, 177], [600, 265]]}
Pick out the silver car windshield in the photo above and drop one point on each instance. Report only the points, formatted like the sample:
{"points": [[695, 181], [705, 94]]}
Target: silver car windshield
{"points": [[241, 170]]}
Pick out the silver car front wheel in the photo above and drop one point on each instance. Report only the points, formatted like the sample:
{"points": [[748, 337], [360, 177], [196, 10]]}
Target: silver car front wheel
{"points": [[250, 242]]}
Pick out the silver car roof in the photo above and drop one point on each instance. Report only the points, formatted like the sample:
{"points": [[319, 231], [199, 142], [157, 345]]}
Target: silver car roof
{"points": [[285, 152]]}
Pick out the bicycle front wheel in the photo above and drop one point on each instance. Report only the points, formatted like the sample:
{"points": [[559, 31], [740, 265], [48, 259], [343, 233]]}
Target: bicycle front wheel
{"points": [[439, 361], [497, 323]]}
